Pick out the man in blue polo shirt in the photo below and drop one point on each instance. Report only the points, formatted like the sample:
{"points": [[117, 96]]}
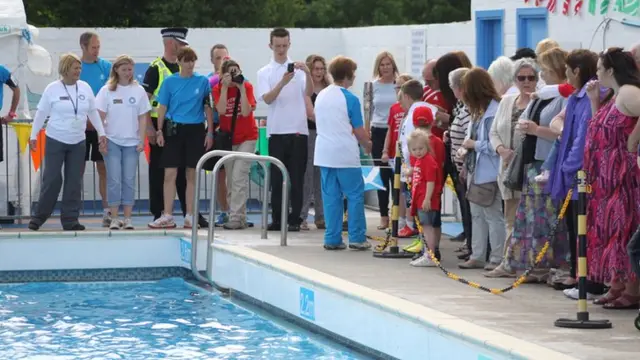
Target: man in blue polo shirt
{"points": [[95, 71]]}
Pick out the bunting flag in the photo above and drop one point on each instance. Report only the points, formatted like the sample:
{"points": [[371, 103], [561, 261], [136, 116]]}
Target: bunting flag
{"points": [[551, 5], [592, 7], [566, 5], [23, 133], [37, 154], [538, 2], [578, 7], [629, 7], [604, 7]]}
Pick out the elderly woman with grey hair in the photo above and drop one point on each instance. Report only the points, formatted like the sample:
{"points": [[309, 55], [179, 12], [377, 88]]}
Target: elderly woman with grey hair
{"points": [[457, 133], [505, 137], [501, 71]]}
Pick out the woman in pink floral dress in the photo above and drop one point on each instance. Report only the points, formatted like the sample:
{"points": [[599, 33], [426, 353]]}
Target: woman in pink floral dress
{"points": [[613, 207]]}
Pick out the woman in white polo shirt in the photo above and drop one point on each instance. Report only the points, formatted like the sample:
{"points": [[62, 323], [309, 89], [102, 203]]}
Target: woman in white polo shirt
{"points": [[340, 128], [67, 103], [123, 106]]}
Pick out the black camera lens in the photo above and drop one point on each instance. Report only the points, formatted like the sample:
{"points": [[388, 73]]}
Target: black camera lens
{"points": [[238, 79]]}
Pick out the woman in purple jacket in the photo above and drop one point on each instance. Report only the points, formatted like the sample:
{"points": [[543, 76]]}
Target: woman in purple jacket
{"points": [[581, 67]]}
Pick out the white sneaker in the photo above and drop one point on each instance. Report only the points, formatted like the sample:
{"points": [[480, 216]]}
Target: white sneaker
{"points": [[163, 222], [423, 261], [128, 225], [573, 294], [188, 222], [115, 224]]}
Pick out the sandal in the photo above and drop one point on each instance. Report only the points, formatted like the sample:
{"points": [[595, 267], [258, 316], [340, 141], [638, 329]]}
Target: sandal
{"points": [[623, 302], [384, 223], [610, 296]]}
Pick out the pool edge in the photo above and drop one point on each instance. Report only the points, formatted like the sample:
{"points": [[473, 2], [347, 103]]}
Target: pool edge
{"points": [[441, 322]]}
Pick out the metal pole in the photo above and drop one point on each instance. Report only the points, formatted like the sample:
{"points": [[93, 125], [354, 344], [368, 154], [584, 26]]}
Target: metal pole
{"points": [[582, 321], [396, 198], [265, 199]]}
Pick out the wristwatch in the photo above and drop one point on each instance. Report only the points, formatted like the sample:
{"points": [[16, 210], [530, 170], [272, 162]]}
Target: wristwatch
{"points": [[159, 132]]}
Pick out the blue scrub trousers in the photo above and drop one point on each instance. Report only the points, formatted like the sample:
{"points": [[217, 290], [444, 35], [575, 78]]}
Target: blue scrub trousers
{"points": [[337, 184]]}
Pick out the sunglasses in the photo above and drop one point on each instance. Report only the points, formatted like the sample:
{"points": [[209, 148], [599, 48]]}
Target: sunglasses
{"points": [[523, 78]]}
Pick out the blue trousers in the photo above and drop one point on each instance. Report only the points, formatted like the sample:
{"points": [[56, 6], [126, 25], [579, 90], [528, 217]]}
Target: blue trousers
{"points": [[337, 184]]}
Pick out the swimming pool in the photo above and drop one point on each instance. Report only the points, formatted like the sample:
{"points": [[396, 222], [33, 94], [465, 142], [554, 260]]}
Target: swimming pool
{"points": [[143, 320]]}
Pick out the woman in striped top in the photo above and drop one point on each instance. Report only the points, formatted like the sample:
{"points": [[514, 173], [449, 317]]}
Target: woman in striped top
{"points": [[457, 133]]}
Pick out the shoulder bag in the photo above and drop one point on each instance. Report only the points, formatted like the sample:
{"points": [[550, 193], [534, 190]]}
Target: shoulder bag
{"points": [[223, 140], [514, 175], [480, 194]]}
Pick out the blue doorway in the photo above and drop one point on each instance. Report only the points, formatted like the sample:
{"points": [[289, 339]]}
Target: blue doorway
{"points": [[489, 36], [532, 26]]}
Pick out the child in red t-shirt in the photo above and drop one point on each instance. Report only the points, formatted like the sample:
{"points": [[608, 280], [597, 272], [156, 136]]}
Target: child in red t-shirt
{"points": [[426, 191], [423, 120]]}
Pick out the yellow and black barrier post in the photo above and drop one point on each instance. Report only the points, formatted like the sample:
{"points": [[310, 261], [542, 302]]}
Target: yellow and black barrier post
{"points": [[582, 321], [391, 244]]}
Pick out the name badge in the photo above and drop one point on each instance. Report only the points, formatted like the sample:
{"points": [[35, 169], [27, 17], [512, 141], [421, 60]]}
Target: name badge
{"points": [[64, 98], [117, 101]]}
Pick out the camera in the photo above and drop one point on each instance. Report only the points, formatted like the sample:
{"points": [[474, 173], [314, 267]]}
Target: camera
{"points": [[290, 67], [238, 79]]}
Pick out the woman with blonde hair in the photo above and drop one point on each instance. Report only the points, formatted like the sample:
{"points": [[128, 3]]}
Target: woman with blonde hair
{"points": [[312, 189], [481, 166], [123, 106], [67, 103], [385, 71]]}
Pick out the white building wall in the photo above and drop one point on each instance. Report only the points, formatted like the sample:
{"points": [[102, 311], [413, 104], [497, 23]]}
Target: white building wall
{"points": [[250, 46]]}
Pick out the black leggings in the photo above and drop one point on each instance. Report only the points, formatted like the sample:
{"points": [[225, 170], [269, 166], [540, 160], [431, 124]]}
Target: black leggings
{"points": [[378, 135]]}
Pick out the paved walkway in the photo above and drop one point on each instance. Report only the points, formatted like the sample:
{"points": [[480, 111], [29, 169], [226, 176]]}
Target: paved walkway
{"points": [[527, 312]]}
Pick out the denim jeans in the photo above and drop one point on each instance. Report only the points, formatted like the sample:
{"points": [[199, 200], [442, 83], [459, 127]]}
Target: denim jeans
{"points": [[122, 165]]}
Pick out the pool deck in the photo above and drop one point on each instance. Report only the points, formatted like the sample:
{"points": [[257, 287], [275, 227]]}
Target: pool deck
{"points": [[527, 312]]}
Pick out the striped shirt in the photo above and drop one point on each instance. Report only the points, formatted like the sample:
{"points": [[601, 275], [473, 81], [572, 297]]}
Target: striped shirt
{"points": [[458, 131]]}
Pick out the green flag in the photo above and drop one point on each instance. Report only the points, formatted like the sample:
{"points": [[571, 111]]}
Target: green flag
{"points": [[629, 7], [592, 7], [604, 7]]}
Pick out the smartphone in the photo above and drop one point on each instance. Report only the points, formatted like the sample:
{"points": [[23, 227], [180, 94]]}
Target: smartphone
{"points": [[290, 67]]}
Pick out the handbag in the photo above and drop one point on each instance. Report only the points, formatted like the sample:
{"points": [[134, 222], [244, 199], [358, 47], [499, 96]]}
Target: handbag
{"points": [[514, 174], [223, 140], [482, 194]]}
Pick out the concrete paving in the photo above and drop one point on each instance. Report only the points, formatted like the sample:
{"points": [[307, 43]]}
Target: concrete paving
{"points": [[527, 312]]}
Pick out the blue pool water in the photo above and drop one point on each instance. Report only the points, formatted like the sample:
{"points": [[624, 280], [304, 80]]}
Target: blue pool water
{"points": [[168, 319]]}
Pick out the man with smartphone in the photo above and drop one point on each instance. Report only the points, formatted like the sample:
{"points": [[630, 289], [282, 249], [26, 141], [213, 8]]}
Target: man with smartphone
{"points": [[283, 85]]}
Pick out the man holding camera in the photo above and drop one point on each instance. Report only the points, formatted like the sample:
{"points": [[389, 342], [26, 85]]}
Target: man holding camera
{"points": [[238, 131], [284, 85]]}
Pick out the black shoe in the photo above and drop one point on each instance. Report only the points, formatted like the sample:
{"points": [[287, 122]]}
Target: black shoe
{"points": [[202, 222], [294, 228], [250, 224], [33, 226], [274, 227], [341, 246], [464, 257], [74, 227]]}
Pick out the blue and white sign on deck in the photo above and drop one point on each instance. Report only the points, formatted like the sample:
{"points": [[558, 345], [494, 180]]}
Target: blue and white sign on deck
{"points": [[307, 304], [185, 251]]}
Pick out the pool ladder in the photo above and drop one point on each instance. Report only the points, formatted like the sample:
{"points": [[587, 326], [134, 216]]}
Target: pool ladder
{"points": [[226, 156]]}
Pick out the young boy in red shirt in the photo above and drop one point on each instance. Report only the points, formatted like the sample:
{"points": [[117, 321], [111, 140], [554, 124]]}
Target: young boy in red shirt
{"points": [[426, 191]]}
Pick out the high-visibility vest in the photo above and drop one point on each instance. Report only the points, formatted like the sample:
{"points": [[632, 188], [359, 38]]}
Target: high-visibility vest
{"points": [[163, 72]]}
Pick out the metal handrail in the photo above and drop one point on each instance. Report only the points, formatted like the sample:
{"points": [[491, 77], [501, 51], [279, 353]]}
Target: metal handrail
{"points": [[226, 156]]}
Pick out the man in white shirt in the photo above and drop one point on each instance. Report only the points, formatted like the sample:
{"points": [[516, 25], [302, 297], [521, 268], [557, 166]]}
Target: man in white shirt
{"points": [[283, 85]]}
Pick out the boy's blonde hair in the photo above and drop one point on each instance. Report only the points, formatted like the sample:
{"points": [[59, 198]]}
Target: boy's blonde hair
{"points": [[420, 136]]}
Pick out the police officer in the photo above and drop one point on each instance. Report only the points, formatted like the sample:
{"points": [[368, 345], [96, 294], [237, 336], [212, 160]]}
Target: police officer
{"points": [[162, 67]]}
